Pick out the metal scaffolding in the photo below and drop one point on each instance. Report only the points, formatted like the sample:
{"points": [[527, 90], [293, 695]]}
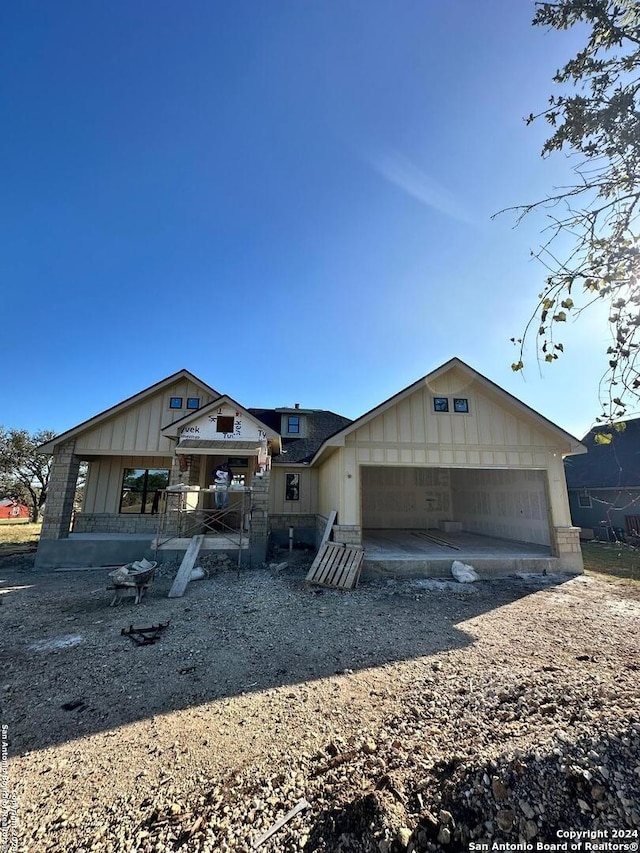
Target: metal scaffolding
{"points": [[181, 518]]}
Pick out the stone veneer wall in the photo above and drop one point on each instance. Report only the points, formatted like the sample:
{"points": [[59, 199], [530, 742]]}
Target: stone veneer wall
{"points": [[347, 534], [107, 522], [259, 517], [567, 548], [61, 492]]}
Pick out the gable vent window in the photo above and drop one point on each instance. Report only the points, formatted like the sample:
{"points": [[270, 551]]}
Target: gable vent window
{"points": [[175, 402], [193, 402], [293, 425], [224, 423]]}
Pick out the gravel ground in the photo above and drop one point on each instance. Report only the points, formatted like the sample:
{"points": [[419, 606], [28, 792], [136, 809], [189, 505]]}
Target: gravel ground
{"points": [[409, 715]]}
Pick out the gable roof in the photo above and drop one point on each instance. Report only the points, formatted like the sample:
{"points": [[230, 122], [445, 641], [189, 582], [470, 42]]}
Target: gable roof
{"points": [[48, 446], [607, 466], [173, 429], [337, 439]]}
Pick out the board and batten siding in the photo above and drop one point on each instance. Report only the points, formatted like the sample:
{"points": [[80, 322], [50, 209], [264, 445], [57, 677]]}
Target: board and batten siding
{"points": [[137, 429], [104, 480], [491, 435], [329, 484], [308, 503]]}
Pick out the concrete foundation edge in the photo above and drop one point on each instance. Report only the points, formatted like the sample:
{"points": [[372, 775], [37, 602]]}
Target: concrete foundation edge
{"points": [[74, 553], [486, 568]]}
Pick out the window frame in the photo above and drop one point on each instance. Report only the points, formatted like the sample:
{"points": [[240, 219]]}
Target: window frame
{"points": [[175, 400], [147, 494], [291, 486], [441, 400], [456, 405], [295, 418], [191, 401]]}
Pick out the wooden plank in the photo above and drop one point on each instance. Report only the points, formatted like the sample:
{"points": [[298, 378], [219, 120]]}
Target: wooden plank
{"points": [[88, 568], [328, 568], [184, 572], [436, 540], [327, 531], [334, 565], [340, 578], [332, 562], [337, 566], [352, 578], [318, 561], [319, 564]]}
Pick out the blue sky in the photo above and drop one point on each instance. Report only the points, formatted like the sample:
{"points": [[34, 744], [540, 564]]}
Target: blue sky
{"points": [[292, 200]]}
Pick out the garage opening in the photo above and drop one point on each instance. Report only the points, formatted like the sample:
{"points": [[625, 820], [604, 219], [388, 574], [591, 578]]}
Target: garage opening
{"points": [[453, 507]]}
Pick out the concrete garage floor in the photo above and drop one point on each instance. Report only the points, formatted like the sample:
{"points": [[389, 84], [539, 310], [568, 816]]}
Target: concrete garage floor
{"points": [[430, 553]]}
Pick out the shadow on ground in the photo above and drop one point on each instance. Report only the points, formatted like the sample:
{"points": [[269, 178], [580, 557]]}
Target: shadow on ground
{"points": [[66, 670]]}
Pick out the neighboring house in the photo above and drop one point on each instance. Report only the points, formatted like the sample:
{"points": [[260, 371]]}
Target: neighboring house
{"points": [[604, 485], [451, 450], [11, 509]]}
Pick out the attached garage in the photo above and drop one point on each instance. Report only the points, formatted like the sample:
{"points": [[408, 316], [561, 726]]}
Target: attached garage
{"points": [[458, 463], [505, 504]]}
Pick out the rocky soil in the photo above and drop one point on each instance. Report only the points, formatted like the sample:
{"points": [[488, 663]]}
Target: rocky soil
{"points": [[408, 715]]}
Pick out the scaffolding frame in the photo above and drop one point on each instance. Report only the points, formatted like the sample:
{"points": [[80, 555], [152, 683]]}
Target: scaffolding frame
{"points": [[210, 522]]}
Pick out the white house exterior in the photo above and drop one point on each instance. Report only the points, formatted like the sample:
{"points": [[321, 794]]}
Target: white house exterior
{"points": [[451, 448]]}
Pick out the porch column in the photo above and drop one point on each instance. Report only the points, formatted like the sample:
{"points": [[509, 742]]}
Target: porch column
{"points": [[176, 475], [565, 538], [190, 476], [259, 517], [61, 492], [348, 530]]}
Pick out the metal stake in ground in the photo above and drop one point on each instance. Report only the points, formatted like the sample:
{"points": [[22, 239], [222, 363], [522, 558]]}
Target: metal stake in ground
{"points": [[299, 807]]}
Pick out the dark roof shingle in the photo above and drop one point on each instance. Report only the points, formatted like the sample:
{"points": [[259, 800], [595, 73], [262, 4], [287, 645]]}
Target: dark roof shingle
{"points": [[319, 425]]}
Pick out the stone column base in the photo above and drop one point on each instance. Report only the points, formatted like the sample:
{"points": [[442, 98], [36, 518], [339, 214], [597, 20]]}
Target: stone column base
{"points": [[347, 534], [567, 549]]}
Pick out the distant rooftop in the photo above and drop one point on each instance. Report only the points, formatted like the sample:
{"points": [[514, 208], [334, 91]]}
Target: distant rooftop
{"points": [[607, 466]]}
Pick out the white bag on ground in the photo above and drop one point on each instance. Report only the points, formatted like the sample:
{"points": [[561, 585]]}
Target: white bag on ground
{"points": [[198, 574], [464, 573]]}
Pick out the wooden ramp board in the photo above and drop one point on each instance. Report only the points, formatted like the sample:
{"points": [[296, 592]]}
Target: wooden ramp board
{"points": [[187, 564], [337, 566], [327, 531]]}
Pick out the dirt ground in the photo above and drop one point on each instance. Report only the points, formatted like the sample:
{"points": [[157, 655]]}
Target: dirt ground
{"points": [[409, 715]]}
